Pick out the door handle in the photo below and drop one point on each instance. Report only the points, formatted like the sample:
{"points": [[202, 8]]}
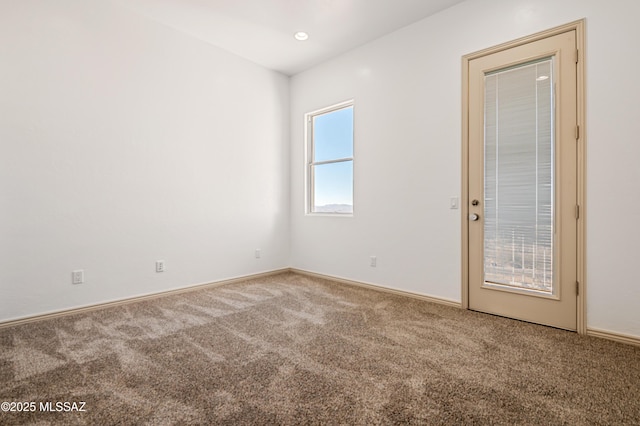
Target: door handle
{"points": [[473, 217]]}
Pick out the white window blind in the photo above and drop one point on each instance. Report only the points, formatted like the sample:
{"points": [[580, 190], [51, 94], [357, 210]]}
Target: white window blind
{"points": [[519, 176]]}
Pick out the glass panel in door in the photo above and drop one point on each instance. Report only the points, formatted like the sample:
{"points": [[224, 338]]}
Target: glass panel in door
{"points": [[519, 177]]}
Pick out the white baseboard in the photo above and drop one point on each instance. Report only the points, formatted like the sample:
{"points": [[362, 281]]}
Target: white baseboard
{"points": [[377, 287], [616, 337], [133, 299]]}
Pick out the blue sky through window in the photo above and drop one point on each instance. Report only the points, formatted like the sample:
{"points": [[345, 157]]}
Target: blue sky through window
{"points": [[333, 140], [333, 135]]}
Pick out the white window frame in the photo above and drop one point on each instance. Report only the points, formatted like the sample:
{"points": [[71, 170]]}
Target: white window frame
{"points": [[310, 163]]}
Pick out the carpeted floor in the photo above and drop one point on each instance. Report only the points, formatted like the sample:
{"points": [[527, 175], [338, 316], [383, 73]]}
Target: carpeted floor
{"points": [[290, 349]]}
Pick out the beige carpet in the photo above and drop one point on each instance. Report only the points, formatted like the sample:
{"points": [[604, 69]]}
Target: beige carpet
{"points": [[290, 349]]}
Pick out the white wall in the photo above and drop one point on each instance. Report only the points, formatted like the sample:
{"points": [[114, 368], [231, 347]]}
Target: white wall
{"points": [[407, 91], [123, 142]]}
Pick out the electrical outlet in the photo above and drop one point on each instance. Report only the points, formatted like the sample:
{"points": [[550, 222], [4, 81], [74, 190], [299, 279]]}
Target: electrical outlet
{"points": [[160, 266], [77, 276], [258, 253], [374, 261]]}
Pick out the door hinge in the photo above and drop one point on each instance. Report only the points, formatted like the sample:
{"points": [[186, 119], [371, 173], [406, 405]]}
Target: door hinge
{"points": [[577, 288], [577, 211], [577, 55], [577, 132]]}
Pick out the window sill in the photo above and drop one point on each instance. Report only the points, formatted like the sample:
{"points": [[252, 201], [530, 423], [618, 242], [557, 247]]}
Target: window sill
{"points": [[329, 214]]}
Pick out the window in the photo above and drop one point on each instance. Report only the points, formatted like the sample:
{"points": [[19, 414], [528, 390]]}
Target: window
{"points": [[330, 160]]}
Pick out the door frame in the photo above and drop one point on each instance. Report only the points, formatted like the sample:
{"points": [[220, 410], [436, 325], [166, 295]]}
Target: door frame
{"points": [[579, 28]]}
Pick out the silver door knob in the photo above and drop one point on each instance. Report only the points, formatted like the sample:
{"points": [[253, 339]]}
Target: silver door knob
{"points": [[473, 217]]}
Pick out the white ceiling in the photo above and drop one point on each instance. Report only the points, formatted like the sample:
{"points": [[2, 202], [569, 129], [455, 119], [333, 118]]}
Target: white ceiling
{"points": [[262, 30]]}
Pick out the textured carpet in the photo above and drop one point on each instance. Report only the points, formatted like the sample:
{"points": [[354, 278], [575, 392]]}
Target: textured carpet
{"points": [[289, 349]]}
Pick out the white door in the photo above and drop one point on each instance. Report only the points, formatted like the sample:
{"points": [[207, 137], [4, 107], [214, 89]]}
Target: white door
{"points": [[522, 182]]}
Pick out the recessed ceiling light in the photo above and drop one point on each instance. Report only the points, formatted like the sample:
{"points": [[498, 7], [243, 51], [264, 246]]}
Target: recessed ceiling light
{"points": [[542, 77], [301, 36]]}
